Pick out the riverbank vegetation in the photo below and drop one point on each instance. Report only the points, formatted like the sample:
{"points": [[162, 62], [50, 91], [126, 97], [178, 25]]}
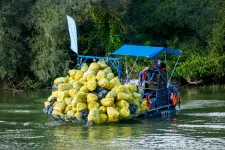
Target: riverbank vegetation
{"points": [[35, 41]]}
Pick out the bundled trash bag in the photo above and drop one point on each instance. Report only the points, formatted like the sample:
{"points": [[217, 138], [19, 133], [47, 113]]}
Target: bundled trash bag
{"points": [[64, 86], [143, 109], [133, 108], [103, 118], [136, 95], [55, 86], [73, 92], [60, 80], [99, 89], [72, 72], [55, 112], [46, 103], [131, 87], [144, 102], [68, 108], [114, 82], [52, 101], [84, 113], [122, 96], [91, 77], [91, 85], [120, 88], [82, 95], [94, 66], [71, 113], [74, 109], [112, 94], [108, 70], [77, 85], [122, 104], [104, 83], [107, 102], [124, 112], [113, 114], [94, 116], [60, 107], [101, 74], [102, 109], [54, 94], [78, 75], [102, 64], [84, 89], [138, 110], [68, 100], [77, 100], [102, 92], [93, 105], [92, 97], [89, 72], [84, 67], [81, 106], [110, 76], [62, 95], [50, 110]]}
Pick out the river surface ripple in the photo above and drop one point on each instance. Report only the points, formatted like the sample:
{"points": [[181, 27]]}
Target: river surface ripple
{"points": [[200, 124]]}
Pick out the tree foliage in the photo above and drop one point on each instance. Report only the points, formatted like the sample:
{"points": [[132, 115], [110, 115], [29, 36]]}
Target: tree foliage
{"points": [[15, 55], [35, 41], [50, 54]]}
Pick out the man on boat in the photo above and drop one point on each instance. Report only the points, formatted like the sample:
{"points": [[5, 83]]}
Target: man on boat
{"points": [[153, 69], [143, 75]]}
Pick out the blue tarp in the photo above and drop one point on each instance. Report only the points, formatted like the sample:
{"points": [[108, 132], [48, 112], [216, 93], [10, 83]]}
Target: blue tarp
{"points": [[143, 51]]}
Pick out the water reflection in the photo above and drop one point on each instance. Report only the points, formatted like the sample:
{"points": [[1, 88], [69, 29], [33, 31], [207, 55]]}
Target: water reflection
{"points": [[91, 133], [95, 137], [199, 125], [113, 136]]}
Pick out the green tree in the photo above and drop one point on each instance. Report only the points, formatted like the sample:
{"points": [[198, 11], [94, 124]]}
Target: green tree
{"points": [[14, 51], [49, 41]]}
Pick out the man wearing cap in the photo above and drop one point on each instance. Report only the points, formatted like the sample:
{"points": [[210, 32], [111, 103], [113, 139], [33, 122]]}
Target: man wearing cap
{"points": [[143, 75]]}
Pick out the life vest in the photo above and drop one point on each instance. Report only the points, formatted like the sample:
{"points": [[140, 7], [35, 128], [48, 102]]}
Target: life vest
{"points": [[173, 99], [144, 75], [148, 101]]}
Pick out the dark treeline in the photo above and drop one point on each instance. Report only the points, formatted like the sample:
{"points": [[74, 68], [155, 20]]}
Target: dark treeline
{"points": [[35, 42]]}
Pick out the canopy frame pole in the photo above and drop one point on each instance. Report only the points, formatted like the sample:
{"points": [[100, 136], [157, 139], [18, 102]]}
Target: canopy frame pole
{"points": [[126, 71], [132, 69], [166, 67], [173, 69], [116, 66]]}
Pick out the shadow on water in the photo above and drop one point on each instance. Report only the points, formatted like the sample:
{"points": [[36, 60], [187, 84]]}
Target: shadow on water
{"points": [[200, 124]]}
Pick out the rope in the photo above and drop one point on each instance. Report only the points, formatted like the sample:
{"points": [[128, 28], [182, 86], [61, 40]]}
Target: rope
{"points": [[131, 70], [174, 68]]}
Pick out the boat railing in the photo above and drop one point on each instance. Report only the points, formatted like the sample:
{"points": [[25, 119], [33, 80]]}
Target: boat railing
{"points": [[158, 97]]}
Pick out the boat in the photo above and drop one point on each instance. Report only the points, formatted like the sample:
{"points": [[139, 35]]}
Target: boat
{"points": [[163, 96]]}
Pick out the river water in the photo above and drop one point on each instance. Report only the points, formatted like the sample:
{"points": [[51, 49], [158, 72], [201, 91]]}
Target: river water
{"points": [[200, 124]]}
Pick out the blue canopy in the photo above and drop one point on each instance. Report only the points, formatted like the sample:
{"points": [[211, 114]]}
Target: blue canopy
{"points": [[143, 51]]}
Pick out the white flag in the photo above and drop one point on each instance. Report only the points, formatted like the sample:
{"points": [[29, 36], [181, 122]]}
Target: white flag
{"points": [[73, 34]]}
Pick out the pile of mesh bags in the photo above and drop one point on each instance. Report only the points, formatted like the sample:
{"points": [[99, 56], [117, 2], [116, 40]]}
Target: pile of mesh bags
{"points": [[96, 93]]}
